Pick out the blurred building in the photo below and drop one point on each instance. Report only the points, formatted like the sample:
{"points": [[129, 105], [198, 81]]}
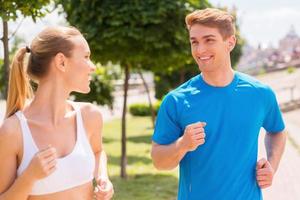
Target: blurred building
{"points": [[256, 60]]}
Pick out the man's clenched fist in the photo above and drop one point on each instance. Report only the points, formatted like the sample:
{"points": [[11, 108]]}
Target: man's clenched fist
{"points": [[194, 136], [264, 173]]}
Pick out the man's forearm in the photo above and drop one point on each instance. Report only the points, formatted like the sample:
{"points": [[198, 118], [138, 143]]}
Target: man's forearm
{"points": [[275, 144], [166, 157]]}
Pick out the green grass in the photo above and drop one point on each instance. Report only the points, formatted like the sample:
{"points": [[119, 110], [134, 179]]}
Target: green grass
{"points": [[143, 182]]}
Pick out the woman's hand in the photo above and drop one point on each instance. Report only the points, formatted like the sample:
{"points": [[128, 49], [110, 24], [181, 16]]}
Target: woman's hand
{"points": [[42, 164], [104, 189]]}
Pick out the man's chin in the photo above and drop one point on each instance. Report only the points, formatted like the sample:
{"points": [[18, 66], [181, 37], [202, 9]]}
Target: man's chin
{"points": [[205, 68]]}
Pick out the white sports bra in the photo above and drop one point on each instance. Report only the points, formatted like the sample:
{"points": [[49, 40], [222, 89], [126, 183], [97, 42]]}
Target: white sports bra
{"points": [[75, 169]]}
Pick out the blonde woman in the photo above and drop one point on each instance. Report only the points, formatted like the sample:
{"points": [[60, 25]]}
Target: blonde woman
{"points": [[50, 147]]}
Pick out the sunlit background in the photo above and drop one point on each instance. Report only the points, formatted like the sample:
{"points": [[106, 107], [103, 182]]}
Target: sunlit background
{"points": [[270, 51]]}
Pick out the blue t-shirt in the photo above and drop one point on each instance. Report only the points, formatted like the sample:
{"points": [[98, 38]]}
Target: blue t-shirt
{"points": [[224, 166]]}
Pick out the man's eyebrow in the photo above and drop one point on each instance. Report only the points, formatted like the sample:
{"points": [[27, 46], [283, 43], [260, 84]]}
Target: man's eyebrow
{"points": [[203, 37], [208, 36]]}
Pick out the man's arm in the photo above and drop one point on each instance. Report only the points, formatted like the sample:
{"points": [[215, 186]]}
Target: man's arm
{"points": [[265, 169], [275, 144], [166, 157]]}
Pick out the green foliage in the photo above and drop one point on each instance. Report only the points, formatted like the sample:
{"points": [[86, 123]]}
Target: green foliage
{"points": [[140, 109], [237, 51], [165, 81], [143, 109], [9, 9], [291, 69], [148, 33], [15, 45], [101, 88], [262, 72]]}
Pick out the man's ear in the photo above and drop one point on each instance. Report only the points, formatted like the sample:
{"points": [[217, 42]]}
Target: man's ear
{"points": [[60, 60], [231, 42]]}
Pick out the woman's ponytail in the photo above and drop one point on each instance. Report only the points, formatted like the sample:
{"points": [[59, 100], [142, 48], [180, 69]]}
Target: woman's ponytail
{"points": [[19, 88]]}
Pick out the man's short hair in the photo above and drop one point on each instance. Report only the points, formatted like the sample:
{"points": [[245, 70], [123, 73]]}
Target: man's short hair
{"points": [[212, 17]]}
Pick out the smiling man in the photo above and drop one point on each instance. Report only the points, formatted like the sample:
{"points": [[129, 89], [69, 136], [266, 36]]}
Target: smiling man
{"points": [[210, 124]]}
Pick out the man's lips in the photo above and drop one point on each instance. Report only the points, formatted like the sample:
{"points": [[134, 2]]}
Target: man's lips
{"points": [[204, 58]]}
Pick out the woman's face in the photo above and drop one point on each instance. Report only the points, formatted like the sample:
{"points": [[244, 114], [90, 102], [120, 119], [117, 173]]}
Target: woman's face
{"points": [[79, 67]]}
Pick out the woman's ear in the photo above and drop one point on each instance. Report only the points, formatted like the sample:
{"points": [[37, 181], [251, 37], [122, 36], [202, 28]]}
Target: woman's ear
{"points": [[59, 61]]}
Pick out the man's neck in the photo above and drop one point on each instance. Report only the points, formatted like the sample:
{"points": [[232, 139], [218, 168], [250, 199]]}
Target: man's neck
{"points": [[218, 78]]}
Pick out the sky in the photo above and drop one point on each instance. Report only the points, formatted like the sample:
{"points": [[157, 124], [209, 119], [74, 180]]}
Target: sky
{"points": [[262, 22], [265, 22]]}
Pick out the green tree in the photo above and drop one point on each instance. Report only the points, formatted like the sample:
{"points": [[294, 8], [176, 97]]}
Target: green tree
{"points": [[15, 45], [148, 34], [237, 51], [9, 10]]}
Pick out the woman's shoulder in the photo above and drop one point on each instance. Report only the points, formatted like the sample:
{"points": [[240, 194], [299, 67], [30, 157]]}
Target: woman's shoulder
{"points": [[10, 132], [90, 110], [91, 115]]}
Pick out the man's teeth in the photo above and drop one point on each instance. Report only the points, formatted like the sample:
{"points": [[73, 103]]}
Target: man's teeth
{"points": [[204, 58]]}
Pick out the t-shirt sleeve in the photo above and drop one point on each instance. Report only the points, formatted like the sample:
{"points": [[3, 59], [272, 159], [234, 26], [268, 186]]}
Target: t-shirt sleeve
{"points": [[167, 129], [273, 122]]}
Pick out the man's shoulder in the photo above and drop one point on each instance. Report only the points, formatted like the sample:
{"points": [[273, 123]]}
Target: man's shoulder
{"points": [[252, 81], [177, 96], [186, 88], [263, 91]]}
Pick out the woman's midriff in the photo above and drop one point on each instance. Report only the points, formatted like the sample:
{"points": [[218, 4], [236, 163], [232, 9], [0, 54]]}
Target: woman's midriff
{"points": [[82, 192]]}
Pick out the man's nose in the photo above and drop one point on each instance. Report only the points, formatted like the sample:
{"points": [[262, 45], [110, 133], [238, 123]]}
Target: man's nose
{"points": [[200, 49]]}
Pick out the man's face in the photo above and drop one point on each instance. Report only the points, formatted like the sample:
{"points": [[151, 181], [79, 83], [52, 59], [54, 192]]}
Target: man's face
{"points": [[210, 51]]}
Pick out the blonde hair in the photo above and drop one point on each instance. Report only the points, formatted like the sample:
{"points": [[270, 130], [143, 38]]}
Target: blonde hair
{"points": [[212, 17], [43, 49]]}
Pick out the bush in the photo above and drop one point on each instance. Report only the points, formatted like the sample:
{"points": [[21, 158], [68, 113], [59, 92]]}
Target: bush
{"points": [[143, 109], [291, 69], [140, 109]]}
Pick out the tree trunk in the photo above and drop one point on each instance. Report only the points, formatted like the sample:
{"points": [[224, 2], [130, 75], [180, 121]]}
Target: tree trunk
{"points": [[123, 153], [6, 57], [149, 98]]}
